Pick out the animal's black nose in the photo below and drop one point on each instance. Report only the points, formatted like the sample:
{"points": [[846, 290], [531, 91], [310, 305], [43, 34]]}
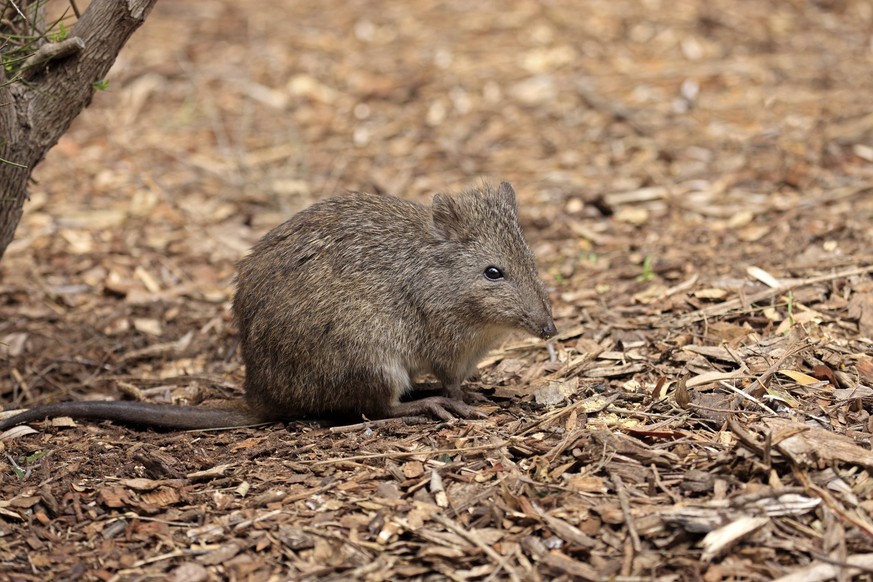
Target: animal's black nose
{"points": [[548, 330]]}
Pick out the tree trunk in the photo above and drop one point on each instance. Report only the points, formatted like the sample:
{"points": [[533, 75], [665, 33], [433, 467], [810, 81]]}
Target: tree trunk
{"points": [[54, 86]]}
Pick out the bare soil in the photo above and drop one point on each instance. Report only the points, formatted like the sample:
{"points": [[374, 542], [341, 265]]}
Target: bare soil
{"points": [[696, 178]]}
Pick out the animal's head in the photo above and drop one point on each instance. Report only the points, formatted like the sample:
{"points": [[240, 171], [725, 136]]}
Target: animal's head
{"points": [[492, 267]]}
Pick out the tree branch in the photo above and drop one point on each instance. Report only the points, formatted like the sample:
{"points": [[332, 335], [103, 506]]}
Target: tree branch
{"points": [[60, 83], [54, 50]]}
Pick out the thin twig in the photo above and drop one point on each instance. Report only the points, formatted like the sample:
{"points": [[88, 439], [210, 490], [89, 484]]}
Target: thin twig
{"points": [[18, 10], [794, 349], [671, 494], [381, 422], [748, 397], [626, 510]]}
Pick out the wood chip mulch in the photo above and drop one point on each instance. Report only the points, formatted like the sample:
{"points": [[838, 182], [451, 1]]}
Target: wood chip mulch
{"points": [[697, 181]]}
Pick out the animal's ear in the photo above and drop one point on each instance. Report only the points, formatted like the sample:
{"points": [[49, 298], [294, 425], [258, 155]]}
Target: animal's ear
{"points": [[506, 195], [448, 217]]}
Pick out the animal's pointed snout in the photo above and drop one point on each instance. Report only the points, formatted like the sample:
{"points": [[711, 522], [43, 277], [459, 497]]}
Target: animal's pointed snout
{"points": [[548, 330]]}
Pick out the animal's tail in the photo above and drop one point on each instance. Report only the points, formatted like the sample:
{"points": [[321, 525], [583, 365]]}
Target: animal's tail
{"points": [[143, 414]]}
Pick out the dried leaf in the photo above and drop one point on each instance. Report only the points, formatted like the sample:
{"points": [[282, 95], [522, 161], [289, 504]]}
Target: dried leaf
{"points": [[16, 432], [799, 377], [822, 372]]}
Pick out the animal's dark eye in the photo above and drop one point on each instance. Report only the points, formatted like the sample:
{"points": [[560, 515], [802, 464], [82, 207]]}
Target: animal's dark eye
{"points": [[493, 274]]}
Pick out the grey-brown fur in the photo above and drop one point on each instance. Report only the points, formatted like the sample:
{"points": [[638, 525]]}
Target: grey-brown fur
{"points": [[340, 308]]}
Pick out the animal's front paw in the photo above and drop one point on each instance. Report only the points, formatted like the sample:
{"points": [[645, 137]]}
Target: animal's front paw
{"points": [[466, 395]]}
